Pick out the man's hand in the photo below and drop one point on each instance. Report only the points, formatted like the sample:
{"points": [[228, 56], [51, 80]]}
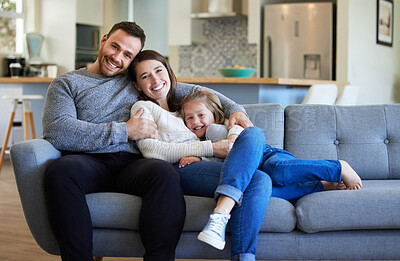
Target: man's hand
{"points": [[139, 128], [222, 148], [239, 118]]}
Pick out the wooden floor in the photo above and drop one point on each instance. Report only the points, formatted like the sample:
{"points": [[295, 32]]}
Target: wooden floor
{"points": [[16, 241]]}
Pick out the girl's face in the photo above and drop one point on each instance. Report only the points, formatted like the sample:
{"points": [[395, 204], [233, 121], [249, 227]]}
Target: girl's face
{"points": [[197, 117], [153, 80]]}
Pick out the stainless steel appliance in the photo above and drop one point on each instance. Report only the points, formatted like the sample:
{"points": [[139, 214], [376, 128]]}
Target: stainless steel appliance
{"points": [[87, 44], [299, 41]]}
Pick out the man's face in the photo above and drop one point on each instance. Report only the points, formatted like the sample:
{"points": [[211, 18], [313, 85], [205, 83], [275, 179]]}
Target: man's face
{"points": [[116, 53]]}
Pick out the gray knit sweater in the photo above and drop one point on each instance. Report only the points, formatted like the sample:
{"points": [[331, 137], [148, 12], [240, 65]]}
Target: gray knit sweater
{"points": [[86, 112]]}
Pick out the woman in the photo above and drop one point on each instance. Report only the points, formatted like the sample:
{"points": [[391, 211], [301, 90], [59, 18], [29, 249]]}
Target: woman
{"points": [[155, 81]]}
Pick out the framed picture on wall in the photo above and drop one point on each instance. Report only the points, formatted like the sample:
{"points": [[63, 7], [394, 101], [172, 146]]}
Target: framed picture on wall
{"points": [[384, 26]]}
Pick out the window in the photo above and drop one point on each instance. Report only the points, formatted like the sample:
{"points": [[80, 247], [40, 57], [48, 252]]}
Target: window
{"points": [[11, 26]]}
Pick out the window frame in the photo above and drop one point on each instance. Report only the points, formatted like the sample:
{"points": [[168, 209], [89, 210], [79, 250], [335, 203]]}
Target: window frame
{"points": [[20, 28]]}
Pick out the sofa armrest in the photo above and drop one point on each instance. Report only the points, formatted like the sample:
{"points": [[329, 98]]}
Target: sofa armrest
{"points": [[30, 159]]}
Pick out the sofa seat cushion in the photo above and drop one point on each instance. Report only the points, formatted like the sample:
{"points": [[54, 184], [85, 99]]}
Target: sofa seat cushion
{"points": [[375, 206], [121, 211]]}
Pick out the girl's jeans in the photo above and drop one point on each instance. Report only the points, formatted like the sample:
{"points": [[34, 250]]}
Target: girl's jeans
{"points": [[242, 176], [240, 179]]}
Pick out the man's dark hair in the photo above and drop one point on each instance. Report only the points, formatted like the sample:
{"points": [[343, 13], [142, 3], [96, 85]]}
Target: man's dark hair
{"points": [[131, 28]]}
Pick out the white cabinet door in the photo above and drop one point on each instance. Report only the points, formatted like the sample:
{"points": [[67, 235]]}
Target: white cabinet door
{"points": [[89, 12], [253, 20], [179, 22]]}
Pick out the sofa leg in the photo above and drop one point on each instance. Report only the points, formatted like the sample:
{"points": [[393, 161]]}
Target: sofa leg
{"points": [[98, 258]]}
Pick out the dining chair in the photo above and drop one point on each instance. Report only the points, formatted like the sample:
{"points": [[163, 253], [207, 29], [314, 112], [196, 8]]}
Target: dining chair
{"points": [[348, 96], [321, 94]]}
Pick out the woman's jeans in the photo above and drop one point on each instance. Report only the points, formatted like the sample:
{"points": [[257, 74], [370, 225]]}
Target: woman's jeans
{"points": [[242, 176]]}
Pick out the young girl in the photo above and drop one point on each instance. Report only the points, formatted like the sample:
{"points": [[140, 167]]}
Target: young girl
{"points": [[291, 177], [203, 116]]}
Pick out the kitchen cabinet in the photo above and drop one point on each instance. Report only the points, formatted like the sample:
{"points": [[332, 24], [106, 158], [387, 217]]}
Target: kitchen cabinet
{"points": [[179, 22], [90, 12], [185, 26]]}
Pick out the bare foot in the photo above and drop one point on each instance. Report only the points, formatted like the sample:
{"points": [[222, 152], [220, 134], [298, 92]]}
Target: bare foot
{"points": [[333, 185], [350, 177]]}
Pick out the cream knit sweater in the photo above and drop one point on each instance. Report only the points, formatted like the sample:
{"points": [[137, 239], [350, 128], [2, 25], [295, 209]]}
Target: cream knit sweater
{"points": [[176, 140]]}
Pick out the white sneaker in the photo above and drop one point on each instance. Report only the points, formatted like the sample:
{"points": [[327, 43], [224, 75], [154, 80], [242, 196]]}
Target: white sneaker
{"points": [[214, 232]]}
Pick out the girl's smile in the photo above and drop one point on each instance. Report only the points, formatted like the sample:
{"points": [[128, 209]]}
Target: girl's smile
{"points": [[197, 117]]}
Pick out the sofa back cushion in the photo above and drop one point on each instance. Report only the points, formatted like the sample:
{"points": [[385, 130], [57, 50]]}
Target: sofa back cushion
{"points": [[367, 136], [268, 117]]}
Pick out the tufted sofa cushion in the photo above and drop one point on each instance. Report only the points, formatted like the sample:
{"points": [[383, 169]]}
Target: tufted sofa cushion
{"points": [[268, 117], [121, 211], [368, 137], [373, 207]]}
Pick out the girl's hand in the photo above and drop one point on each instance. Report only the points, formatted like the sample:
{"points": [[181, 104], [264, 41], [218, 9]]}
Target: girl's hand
{"points": [[188, 160], [222, 148]]}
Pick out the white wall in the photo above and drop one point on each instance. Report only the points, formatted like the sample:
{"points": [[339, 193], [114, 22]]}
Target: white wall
{"points": [[152, 16], [59, 29], [360, 60]]}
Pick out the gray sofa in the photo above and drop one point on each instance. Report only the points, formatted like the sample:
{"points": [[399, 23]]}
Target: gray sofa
{"points": [[361, 224]]}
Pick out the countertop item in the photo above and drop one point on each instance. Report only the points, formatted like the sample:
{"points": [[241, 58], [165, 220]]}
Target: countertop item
{"points": [[237, 72]]}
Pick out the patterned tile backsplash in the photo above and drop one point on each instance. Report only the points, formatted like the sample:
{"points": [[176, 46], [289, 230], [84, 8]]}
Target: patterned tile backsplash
{"points": [[223, 43]]}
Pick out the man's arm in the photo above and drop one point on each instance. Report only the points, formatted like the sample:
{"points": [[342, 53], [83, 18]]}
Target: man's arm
{"points": [[65, 131], [235, 112], [228, 105]]}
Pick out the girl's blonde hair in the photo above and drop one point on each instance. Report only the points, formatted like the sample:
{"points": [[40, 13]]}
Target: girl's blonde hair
{"points": [[210, 100]]}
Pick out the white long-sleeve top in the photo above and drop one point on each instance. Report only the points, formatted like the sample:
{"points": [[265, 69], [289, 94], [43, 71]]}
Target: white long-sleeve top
{"points": [[175, 139]]}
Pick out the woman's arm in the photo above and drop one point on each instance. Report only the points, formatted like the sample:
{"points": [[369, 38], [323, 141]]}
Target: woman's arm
{"points": [[173, 152]]}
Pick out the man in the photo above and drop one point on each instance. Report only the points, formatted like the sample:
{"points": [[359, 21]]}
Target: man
{"points": [[86, 116]]}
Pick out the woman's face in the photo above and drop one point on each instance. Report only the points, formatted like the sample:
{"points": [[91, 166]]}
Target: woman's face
{"points": [[153, 80], [197, 117]]}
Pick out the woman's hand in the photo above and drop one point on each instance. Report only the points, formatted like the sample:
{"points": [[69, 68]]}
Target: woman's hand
{"points": [[222, 148], [188, 160], [139, 128], [239, 118]]}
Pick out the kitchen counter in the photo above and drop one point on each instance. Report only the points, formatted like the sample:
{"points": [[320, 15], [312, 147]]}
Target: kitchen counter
{"points": [[260, 90], [19, 80], [266, 81]]}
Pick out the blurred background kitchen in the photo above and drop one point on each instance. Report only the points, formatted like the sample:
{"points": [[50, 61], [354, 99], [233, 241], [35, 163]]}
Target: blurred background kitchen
{"points": [[327, 40]]}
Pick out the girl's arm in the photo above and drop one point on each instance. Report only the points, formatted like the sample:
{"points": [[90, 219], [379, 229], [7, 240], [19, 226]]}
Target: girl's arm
{"points": [[188, 160]]}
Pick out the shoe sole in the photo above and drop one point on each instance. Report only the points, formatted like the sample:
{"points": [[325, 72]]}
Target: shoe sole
{"points": [[211, 241]]}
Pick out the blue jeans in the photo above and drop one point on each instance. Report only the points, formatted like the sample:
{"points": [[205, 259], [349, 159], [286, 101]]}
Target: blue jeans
{"points": [[243, 182], [285, 169]]}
